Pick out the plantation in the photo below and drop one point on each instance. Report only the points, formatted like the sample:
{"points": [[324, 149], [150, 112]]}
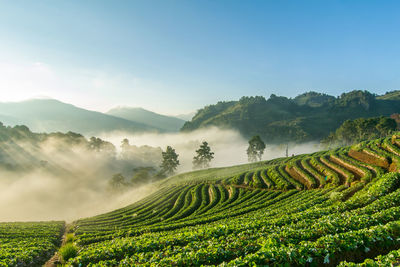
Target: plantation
{"points": [[329, 208], [29, 243]]}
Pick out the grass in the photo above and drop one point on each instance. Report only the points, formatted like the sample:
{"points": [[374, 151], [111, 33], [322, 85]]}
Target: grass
{"points": [[68, 251]]}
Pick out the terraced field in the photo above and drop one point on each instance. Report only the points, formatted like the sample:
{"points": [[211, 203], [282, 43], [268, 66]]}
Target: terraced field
{"points": [[326, 208]]}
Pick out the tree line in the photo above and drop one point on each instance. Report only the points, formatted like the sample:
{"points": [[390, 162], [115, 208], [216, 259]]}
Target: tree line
{"points": [[170, 162]]}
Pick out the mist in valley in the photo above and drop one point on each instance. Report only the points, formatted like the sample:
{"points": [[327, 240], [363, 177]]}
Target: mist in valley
{"points": [[54, 179], [228, 145]]}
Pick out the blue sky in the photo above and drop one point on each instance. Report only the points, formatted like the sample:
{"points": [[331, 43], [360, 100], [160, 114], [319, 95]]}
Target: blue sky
{"points": [[177, 56]]}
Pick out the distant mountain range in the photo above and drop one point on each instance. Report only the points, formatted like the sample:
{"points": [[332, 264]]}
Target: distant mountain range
{"points": [[49, 115], [308, 117], [158, 121]]}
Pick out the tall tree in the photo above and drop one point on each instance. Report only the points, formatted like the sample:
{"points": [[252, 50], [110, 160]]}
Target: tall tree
{"points": [[169, 161], [125, 148], [204, 156], [256, 149]]}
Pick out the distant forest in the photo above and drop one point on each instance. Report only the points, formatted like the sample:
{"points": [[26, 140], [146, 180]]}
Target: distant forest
{"points": [[308, 117]]}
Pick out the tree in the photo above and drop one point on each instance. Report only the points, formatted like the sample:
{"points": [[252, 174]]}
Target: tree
{"points": [[125, 143], [125, 148], [256, 149], [358, 130], [118, 182], [169, 161], [143, 175], [204, 156], [98, 145]]}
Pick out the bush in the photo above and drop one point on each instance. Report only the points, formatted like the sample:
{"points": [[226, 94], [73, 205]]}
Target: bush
{"points": [[68, 251]]}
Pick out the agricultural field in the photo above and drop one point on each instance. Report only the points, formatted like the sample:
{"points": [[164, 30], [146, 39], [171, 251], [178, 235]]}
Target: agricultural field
{"points": [[29, 243], [329, 208]]}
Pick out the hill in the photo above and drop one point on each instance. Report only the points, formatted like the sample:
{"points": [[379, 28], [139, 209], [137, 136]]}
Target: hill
{"points": [[319, 209], [322, 208], [393, 95], [49, 115], [140, 115], [308, 117]]}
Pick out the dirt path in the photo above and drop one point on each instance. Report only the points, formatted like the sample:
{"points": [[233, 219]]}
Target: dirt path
{"points": [[56, 259]]}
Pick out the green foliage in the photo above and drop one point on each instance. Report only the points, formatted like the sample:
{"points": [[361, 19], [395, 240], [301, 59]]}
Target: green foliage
{"points": [[99, 145], [68, 251], [308, 117], [169, 161], [391, 95], [313, 99], [143, 175], [203, 157], [354, 131], [249, 228], [390, 259], [23, 150], [262, 214], [256, 149], [118, 182], [70, 238], [28, 243]]}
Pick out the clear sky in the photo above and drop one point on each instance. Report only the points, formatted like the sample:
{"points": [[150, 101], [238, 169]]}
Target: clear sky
{"points": [[177, 56]]}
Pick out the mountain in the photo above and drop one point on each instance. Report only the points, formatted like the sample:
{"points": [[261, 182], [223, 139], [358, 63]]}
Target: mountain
{"points": [[186, 117], [165, 123], [308, 117], [49, 115]]}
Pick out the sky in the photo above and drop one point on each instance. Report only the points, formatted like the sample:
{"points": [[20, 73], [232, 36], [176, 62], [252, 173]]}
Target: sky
{"points": [[175, 56]]}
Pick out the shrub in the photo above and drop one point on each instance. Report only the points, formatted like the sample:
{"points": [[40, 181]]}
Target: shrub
{"points": [[68, 251]]}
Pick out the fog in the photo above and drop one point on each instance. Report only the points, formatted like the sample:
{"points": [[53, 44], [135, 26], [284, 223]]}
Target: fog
{"points": [[229, 146], [43, 196], [55, 180]]}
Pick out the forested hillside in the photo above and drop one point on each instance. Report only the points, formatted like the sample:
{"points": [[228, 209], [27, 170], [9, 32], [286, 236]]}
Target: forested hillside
{"points": [[307, 117], [24, 151]]}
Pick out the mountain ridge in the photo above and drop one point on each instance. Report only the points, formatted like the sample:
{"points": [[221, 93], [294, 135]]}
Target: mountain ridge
{"points": [[310, 116], [153, 119], [51, 115]]}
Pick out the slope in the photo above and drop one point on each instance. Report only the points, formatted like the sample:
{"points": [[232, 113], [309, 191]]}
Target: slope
{"points": [[316, 209], [308, 117], [49, 115], [392, 95], [140, 115]]}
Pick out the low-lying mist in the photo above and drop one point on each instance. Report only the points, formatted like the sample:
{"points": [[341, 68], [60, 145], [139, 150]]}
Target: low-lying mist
{"points": [[57, 180], [42, 196], [229, 146]]}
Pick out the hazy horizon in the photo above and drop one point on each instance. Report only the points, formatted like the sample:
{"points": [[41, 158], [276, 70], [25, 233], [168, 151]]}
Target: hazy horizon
{"points": [[182, 56]]}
